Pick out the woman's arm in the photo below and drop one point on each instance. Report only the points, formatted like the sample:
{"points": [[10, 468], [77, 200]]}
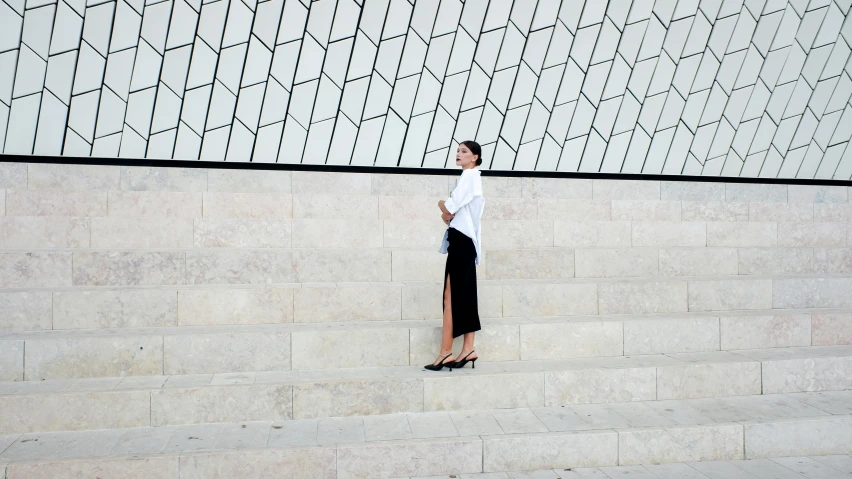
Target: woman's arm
{"points": [[441, 204]]}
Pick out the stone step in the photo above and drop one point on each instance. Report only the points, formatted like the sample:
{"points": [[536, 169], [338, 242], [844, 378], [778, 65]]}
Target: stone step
{"points": [[720, 437], [111, 306], [133, 401], [82, 353]]}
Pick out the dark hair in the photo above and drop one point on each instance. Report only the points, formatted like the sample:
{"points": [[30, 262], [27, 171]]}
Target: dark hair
{"points": [[475, 149]]}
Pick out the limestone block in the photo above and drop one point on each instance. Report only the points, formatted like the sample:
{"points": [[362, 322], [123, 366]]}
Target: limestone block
{"points": [[11, 360], [642, 297], [129, 468], [247, 205], [31, 232], [799, 437], [708, 380], [347, 303], [742, 234], [26, 311], [542, 299], [248, 181], [497, 342], [811, 293], [410, 207], [777, 212], [13, 175], [424, 300], [210, 307], [508, 209], [55, 203], [755, 192], [141, 233], [242, 233], [648, 210], [816, 194], [420, 265], [711, 442], [351, 265], [775, 260], [812, 234], [573, 210], [571, 340], [409, 185], [262, 402], [154, 178], [321, 182], [423, 233], [517, 234], [592, 234], [692, 191], [49, 176], [239, 267], [350, 348], [616, 262], [807, 374], [550, 451], [339, 207], [74, 411], [833, 212], [530, 264], [758, 332], [308, 463], [35, 270], [169, 204], [508, 390], [127, 308], [599, 385], [626, 190], [129, 268], [828, 328], [832, 260], [730, 294], [85, 357], [710, 211], [226, 352], [669, 233], [501, 187], [337, 234], [417, 457], [698, 261], [356, 397], [676, 335]]}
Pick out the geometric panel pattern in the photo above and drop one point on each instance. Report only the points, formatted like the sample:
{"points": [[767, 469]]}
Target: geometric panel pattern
{"points": [[751, 88]]}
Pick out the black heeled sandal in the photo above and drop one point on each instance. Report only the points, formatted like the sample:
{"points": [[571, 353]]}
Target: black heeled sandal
{"points": [[460, 364], [440, 366]]}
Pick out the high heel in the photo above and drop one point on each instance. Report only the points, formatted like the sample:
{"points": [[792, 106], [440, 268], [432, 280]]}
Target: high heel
{"points": [[440, 365], [460, 364]]}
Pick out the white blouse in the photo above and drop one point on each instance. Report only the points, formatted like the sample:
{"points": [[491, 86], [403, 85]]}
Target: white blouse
{"points": [[467, 204]]}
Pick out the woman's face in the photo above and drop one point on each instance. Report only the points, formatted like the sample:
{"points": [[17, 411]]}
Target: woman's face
{"points": [[465, 158]]}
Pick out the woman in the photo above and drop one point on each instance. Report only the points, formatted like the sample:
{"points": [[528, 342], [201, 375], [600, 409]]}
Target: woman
{"points": [[461, 212]]}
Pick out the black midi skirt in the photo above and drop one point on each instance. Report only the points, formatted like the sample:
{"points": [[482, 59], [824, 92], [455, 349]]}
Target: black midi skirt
{"points": [[461, 269]]}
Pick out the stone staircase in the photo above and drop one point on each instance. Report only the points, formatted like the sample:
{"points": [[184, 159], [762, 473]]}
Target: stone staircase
{"points": [[168, 322]]}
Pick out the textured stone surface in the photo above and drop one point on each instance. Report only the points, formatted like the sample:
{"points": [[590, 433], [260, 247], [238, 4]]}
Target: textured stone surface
{"points": [[807, 374], [347, 303], [633, 210], [129, 268], [506, 209], [26, 311], [575, 340], [55, 203], [410, 185], [424, 233], [94, 357], [669, 233], [35, 270], [423, 265], [350, 348], [642, 297], [830, 328], [550, 451], [530, 264], [410, 458], [550, 299], [247, 205], [57, 176], [342, 265], [31, 232], [241, 233], [714, 211], [775, 260], [518, 233], [239, 267], [659, 336], [492, 392], [220, 404], [599, 385], [709, 380], [777, 212], [742, 234], [816, 194], [573, 210], [74, 411], [560, 188], [320, 182], [626, 189], [691, 191], [832, 260], [812, 234], [140, 233], [129, 468], [248, 181], [313, 463], [755, 192], [343, 207], [153, 178], [837, 212], [313, 233], [170, 204], [698, 261], [403, 207], [725, 295], [799, 437], [497, 342], [353, 398], [755, 332], [235, 306], [114, 309], [811, 293], [11, 360], [226, 352], [13, 175], [616, 262], [591, 234], [688, 443]]}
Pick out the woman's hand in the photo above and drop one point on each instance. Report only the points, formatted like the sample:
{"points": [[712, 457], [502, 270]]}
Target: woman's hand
{"points": [[447, 217]]}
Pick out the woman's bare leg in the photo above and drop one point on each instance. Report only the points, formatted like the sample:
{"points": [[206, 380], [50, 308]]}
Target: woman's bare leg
{"points": [[447, 330], [467, 347]]}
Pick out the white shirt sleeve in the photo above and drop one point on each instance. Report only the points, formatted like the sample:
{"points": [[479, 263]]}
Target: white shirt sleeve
{"points": [[462, 194]]}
